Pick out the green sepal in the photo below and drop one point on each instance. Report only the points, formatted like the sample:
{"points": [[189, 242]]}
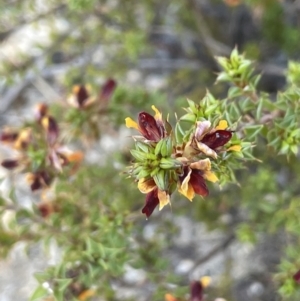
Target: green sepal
{"points": [[159, 147], [140, 156], [161, 179], [169, 163], [144, 173]]}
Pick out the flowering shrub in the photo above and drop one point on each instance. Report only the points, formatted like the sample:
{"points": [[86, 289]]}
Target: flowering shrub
{"points": [[96, 218]]}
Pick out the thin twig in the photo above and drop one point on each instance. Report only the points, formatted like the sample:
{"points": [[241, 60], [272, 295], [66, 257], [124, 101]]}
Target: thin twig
{"points": [[221, 247]]}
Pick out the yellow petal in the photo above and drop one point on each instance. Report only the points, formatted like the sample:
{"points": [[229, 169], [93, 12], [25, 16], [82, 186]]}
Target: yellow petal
{"points": [[146, 185], [75, 156], [187, 191], [222, 125], [235, 148], [186, 188], [206, 150], [158, 114], [169, 297], [205, 281], [86, 294], [131, 123], [164, 199], [210, 176], [201, 164], [75, 89]]}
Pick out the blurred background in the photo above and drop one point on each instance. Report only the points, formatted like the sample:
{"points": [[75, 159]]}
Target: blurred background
{"points": [[158, 52]]}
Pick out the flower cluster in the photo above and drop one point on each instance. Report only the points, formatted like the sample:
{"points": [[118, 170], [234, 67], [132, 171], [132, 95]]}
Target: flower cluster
{"points": [[38, 151], [166, 160], [87, 111], [197, 289]]}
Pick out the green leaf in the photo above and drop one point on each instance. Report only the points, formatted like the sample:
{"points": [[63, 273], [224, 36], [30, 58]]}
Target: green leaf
{"points": [[39, 293], [63, 284]]}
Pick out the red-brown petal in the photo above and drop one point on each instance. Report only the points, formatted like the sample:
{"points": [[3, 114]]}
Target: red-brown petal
{"points": [[217, 139], [151, 202], [196, 290], [8, 137], [10, 163], [107, 90], [148, 127], [198, 183], [296, 277]]}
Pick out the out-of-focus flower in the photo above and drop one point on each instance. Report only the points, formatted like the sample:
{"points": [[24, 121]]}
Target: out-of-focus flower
{"points": [[296, 277], [196, 290], [80, 97], [46, 208], [151, 128], [62, 156], [40, 111], [39, 179], [24, 139]]}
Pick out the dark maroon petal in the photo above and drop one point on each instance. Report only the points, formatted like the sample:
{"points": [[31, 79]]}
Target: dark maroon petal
{"points": [[107, 90], [82, 95], [196, 289], [296, 277], [151, 202], [148, 127], [217, 139], [36, 184], [198, 183], [52, 130], [10, 163], [44, 175], [8, 137], [184, 174]]}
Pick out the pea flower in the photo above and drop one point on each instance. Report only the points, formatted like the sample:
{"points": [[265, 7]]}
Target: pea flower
{"points": [[193, 179], [154, 196], [151, 128]]}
